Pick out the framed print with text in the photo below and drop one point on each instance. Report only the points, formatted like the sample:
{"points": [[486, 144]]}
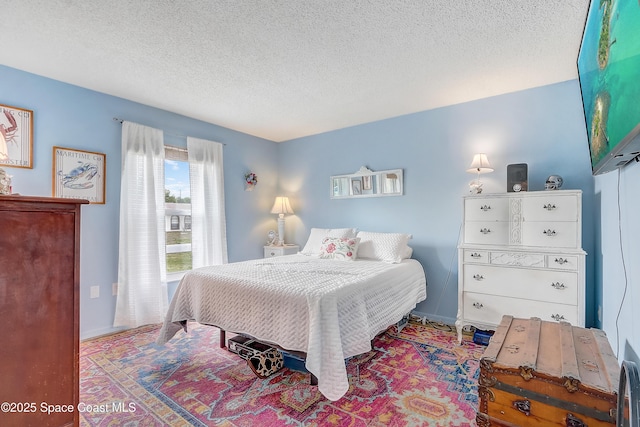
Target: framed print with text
{"points": [[16, 137], [79, 174]]}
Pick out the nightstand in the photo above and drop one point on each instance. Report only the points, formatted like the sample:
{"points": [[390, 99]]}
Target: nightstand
{"points": [[272, 251]]}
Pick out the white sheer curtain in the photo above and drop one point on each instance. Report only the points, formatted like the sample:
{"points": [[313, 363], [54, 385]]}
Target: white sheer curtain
{"points": [[142, 284], [208, 224]]}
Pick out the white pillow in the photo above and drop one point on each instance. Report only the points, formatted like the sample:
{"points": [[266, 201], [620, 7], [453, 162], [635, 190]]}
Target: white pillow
{"points": [[317, 235], [388, 247], [407, 252], [340, 248]]}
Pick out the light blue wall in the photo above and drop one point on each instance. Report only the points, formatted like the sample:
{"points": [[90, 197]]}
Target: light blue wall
{"points": [[617, 271], [72, 117], [543, 127]]}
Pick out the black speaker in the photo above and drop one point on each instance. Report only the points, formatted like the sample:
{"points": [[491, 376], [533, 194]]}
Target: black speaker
{"points": [[517, 177]]}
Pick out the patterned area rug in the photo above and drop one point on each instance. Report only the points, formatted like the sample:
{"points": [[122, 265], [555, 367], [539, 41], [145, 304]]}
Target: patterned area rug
{"points": [[420, 378]]}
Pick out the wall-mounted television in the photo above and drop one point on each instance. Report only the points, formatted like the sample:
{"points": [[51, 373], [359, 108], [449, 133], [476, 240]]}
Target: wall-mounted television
{"points": [[609, 73]]}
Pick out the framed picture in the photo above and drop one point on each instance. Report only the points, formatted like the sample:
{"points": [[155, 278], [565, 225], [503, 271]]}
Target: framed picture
{"points": [[78, 174], [366, 182], [356, 186], [517, 177], [16, 137]]}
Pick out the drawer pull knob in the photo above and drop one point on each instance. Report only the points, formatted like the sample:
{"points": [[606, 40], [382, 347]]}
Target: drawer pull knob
{"points": [[561, 261], [485, 230], [549, 232], [558, 285], [485, 208], [478, 305], [549, 207], [523, 406], [557, 317], [478, 277], [476, 255]]}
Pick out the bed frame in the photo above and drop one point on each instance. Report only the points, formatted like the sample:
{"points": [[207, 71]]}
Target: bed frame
{"points": [[314, 380]]}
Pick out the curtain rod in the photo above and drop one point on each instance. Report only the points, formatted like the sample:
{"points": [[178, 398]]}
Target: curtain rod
{"points": [[115, 119]]}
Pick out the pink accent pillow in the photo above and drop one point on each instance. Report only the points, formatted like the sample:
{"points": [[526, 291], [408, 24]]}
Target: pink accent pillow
{"points": [[342, 248], [312, 247]]}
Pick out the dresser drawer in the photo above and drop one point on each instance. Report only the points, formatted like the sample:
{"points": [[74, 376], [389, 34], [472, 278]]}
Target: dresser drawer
{"points": [[552, 207], [480, 257], [550, 234], [274, 251], [517, 259], [563, 262], [270, 253], [490, 309], [486, 233], [487, 209], [527, 284]]}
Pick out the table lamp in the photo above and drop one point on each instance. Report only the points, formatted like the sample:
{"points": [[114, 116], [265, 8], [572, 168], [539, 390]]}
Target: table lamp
{"points": [[281, 207]]}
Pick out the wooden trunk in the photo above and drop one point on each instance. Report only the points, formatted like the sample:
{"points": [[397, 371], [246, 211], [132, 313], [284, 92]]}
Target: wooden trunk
{"points": [[540, 373]]}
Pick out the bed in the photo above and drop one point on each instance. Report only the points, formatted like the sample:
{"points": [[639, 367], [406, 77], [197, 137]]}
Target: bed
{"points": [[329, 309]]}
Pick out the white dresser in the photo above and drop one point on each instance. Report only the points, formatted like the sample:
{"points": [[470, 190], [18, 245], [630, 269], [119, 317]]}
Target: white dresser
{"points": [[521, 254]]}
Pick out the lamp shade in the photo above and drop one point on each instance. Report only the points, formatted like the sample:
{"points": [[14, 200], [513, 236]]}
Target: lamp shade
{"points": [[281, 206], [480, 164]]}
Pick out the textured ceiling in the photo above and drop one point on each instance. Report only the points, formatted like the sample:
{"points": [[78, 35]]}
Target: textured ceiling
{"points": [[291, 68]]}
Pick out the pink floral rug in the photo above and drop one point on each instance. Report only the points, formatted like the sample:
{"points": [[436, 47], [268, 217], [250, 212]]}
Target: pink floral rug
{"points": [[420, 378]]}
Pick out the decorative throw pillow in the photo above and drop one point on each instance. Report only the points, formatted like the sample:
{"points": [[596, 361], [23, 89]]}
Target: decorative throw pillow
{"points": [[388, 247], [312, 247], [343, 248]]}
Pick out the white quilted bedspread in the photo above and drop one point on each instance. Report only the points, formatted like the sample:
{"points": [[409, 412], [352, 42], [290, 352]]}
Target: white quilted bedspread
{"points": [[329, 309]]}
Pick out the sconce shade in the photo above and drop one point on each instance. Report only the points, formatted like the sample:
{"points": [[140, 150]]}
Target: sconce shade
{"points": [[480, 164], [281, 206]]}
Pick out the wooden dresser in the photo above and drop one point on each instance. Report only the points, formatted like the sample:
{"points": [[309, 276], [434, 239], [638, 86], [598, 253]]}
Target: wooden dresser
{"points": [[521, 255], [39, 314]]}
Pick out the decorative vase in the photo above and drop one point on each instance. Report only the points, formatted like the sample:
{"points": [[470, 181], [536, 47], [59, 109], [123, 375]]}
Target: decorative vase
{"points": [[475, 187]]}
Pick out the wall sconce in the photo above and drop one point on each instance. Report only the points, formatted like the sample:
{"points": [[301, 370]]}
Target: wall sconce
{"points": [[250, 180], [480, 164], [281, 206]]}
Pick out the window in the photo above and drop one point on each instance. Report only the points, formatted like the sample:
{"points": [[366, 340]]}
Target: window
{"points": [[177, 200], [175, 222]]}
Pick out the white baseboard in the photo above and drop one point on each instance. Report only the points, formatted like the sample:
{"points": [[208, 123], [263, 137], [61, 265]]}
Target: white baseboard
{"points": [[435, 318], [85, 335]]}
